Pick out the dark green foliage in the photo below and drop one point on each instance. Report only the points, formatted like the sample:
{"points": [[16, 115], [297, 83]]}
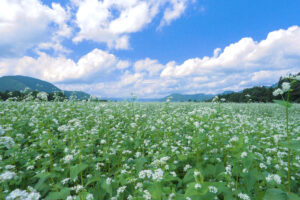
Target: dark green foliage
{"points": [[20, 96], [263, 94]]}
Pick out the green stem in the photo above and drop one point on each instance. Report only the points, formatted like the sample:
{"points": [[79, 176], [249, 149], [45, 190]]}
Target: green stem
{"points": [[288, 140]]}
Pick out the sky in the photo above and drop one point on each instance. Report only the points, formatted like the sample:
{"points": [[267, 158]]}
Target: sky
{"points": [[151, 48]]}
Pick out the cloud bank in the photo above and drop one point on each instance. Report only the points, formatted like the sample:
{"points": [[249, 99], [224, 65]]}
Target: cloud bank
{"points": [[239, 65]]}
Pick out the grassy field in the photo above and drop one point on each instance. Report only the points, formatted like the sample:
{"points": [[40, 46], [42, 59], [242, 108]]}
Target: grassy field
{"points": [[86, 150]]}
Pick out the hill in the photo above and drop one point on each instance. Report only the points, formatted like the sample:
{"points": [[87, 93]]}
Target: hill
{"points": [[187, 97], [19, 83]]}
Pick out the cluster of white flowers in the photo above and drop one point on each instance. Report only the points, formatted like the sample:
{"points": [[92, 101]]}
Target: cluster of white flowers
{"points": [[145, 173], [213, 189], [1, 130], [187, 167], [42, 96], [161, 161], [157, 175], [277, 92], [68, 158], [8, 175], [147, 195], [198, 186], [215, 99], [244, 154], [273, 177], [228, 169], [243, 196], [121, 190], [31, 194], [89, 197], [8, 142], [285, 86], [108, 181]]}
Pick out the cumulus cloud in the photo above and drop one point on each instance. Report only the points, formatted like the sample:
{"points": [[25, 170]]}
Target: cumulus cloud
{"points": [[96, 65], [111, 21], [243, 64], [26, 24]]}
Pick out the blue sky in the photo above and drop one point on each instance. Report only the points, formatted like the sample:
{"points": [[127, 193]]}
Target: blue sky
{"points": [[111, 48]]}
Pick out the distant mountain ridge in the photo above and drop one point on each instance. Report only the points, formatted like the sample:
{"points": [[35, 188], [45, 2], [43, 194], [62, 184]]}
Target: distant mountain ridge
{"points": [[19, 83], [187, 97]]}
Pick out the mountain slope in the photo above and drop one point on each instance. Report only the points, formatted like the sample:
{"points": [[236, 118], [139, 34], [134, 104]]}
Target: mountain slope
{"points": [[187, 97], [17, 83]]}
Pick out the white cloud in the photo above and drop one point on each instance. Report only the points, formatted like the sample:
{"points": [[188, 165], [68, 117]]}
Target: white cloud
{"points": [[153, 67], [25, 24], [249, 60], [243, 64], [111, 21], [175, 11], [95, 65]]}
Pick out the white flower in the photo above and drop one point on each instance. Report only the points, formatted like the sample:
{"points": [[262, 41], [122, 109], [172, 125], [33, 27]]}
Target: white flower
{"points": [[262, 166], [147, 195], [158, 175], [273, 177], [243, 196], [244, 154], [197, 185], [171, 196], [108, 181], [285, 86], [213, 189], [8, 142], [121, 190], [7, 175], [24, 195], [145, 173], [277, 92], [68, 158], [196, 173], [173, 173], [42, 96], [89, 197], [228, 169], [187, 167]]}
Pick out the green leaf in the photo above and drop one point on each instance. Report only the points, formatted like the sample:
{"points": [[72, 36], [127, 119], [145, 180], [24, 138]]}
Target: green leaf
{"points": [[294, 145], [293, 196], [156, 191], [92, 180], [75, 170], [139, 163], [63, 194], [275, 194], [283, 103], [189, 176]]}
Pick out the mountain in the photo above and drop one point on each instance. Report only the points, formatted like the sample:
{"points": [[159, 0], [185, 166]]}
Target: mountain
{"points": [[77, 94], [19, 83], [187, 97]]}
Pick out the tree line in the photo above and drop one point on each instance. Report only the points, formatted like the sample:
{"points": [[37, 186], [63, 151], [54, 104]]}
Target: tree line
{"points": [[31, 95], [263, 93]]}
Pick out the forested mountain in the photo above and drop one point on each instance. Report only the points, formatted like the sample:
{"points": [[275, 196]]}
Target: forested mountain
{"points": [[16, 84]]}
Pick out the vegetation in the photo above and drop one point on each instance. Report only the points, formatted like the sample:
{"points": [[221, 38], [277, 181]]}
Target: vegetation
{"points": [[16, 84], [86, 150], [264, 94]]}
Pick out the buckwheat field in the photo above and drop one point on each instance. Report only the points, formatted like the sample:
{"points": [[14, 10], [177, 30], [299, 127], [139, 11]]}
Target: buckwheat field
{"points": [[91, 150]]}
